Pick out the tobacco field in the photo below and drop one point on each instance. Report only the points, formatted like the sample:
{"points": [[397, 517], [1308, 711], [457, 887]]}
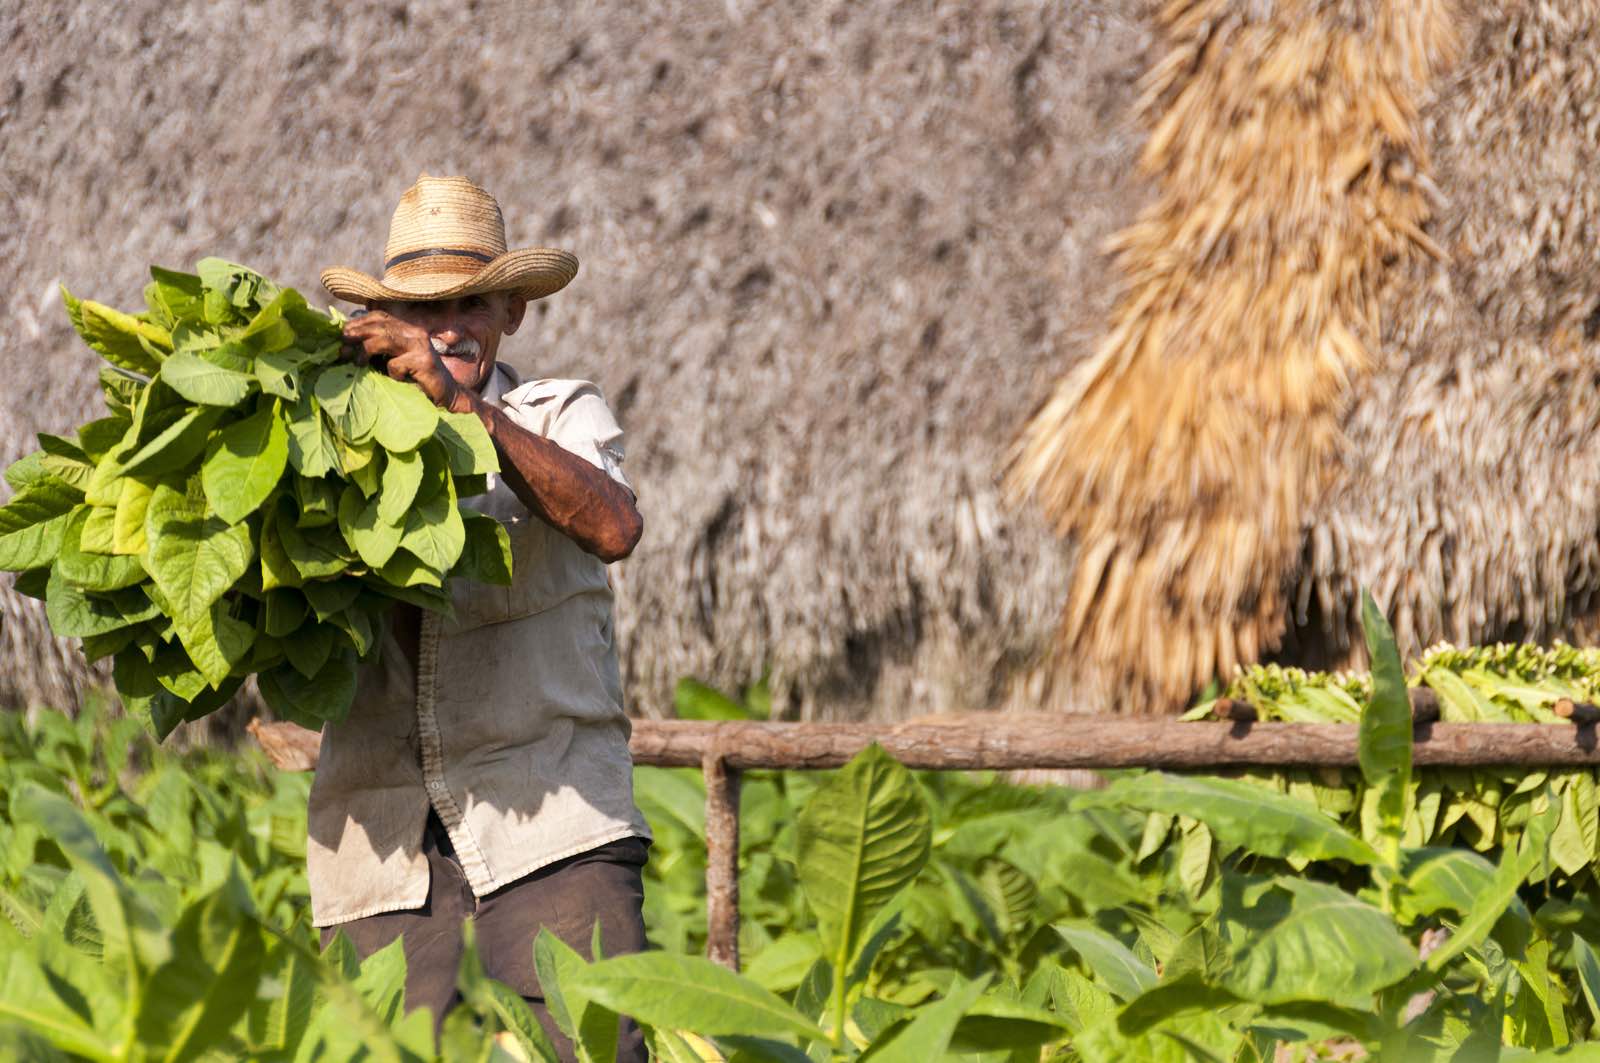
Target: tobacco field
{"points": [[155, 907]]}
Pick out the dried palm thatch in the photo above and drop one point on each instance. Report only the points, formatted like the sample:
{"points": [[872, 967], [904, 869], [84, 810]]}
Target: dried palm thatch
{"points": [[1184, 455], [1468, 495]]}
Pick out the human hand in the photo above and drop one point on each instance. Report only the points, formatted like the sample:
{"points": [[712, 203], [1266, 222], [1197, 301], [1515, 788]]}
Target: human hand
{"points": [[401, 350]]}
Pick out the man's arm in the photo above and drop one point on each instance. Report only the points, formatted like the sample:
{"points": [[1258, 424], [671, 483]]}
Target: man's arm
{"points": [[571, 495]]}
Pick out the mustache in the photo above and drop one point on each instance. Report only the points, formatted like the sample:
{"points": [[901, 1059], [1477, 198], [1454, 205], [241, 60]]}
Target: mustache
{"points": [[462, 348]]}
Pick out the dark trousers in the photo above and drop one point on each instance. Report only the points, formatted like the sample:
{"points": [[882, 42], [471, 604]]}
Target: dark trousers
{"points": [[568, 897]]}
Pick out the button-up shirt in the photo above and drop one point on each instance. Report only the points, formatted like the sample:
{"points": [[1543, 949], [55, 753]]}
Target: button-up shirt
{"points": [[509, 723]]}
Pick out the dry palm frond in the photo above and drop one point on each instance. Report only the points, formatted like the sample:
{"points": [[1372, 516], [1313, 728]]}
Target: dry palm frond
{"points": [[1183, 455]]}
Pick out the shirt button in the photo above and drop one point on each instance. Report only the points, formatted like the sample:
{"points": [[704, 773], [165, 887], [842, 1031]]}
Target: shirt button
{"points": [[436, 786]]}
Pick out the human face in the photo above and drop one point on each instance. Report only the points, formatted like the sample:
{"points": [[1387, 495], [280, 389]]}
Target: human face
{"points": [[465, 333]]}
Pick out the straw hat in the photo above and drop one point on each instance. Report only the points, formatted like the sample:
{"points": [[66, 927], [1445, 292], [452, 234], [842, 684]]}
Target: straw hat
{"points": [[447, 239]]}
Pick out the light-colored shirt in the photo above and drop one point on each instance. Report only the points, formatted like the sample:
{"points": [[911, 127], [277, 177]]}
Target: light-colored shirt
{"points": [[510, 725]]}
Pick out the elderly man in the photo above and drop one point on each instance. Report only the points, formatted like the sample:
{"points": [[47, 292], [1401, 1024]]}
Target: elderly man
{"points": [[484, 769]]}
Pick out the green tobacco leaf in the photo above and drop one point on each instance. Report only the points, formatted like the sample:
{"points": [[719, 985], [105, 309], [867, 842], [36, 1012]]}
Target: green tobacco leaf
{"points": [[96, 647], [1493, 900], [278, 372], [1571, 849], [316, 553], [99, 531], [194, 562], [319, 501], [1110, 960], [927, 1036], [498, 1002], [277, 570], [283, 611], [27, 471], [1182, 995], [590, 1024], [202, 381], [73, 470], [402, 475], [993, 1022], [130, 930], [324, 698], [350, 406], [309, 647], [217, 642], [1239, 814], [117, 335], [121, 389], [363, 465], [99, 436], [1080, 1002], [244, 462], [94, 571], [694, 700], [279, 1021], [143, 696], [781, 965], [33, 1002], [209, 981], [329, 598], [312, 449], [863, 837], [361, 521], [179, 437], [434, 530], [466, 441], [76, 613], [178, 294], [404, 417], [33, 523], [1455, 880], [268, 331], [240, 286], [1583, 959], [1385, 731], [486, 551], [1306, 940], [404, 570], [690, 992]]}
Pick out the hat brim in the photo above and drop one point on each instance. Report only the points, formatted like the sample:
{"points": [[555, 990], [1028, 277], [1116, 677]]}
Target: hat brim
{"points": [[529, 273]]}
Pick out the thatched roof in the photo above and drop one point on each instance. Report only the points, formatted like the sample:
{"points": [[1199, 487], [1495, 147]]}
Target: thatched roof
{"points": [[831, 257], [1469, 494]]}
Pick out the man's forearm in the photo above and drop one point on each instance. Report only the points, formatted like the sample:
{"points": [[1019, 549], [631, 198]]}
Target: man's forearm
{"points": [[567, 492]]}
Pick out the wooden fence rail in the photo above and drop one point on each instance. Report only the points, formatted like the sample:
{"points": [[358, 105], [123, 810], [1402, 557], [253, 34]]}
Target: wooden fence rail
{"points": [[723, 750]]}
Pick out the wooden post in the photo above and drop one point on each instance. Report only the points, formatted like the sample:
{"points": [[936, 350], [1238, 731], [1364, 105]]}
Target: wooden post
{"points": [[722, 858]]}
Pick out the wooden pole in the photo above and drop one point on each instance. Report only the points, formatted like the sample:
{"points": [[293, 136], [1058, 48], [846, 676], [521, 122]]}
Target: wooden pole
{"points": [[722, 858], [998, 743], [1005, 742]]}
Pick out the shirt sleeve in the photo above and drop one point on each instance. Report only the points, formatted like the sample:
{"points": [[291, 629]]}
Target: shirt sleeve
{"points": [[572, 414]]}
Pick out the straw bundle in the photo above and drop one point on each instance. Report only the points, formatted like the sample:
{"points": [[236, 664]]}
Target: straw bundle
{"points": [[1183, 455]]}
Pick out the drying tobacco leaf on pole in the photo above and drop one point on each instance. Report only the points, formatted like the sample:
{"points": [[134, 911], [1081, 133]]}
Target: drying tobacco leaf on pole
{"points": [[249, 505]]}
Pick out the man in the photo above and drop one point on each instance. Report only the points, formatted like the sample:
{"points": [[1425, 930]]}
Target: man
{"points": [[484, 769]]}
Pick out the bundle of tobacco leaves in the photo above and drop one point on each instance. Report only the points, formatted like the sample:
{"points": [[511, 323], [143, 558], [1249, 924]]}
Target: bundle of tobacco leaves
{"points": [[250, 505]]}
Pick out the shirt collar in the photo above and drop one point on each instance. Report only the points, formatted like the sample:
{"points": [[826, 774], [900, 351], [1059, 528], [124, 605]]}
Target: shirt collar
{"points": [[501, 380]]}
